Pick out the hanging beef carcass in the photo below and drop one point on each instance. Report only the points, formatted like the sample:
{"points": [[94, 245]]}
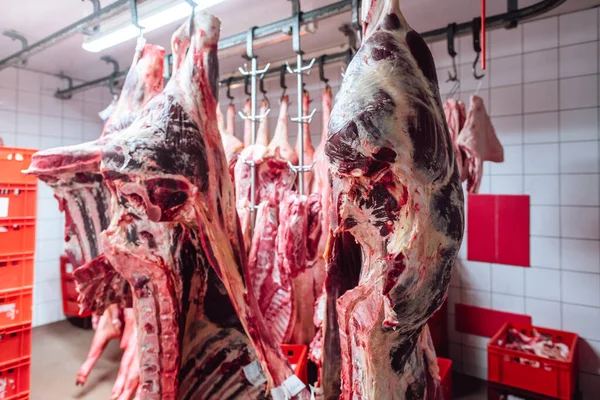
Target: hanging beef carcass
{"points": [[262, 135], [297, 241], [74, 174], [272, 284], [280, 141], [399, 217], [175, 237], [474, 139], [456, 115], [232, 145], [309, 150], [477, 142], [247, 123], [320, 184], [273, 179]]}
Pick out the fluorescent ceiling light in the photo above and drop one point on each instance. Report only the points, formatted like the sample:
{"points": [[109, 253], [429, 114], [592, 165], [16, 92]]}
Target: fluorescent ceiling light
{"points": [[150, 23]]}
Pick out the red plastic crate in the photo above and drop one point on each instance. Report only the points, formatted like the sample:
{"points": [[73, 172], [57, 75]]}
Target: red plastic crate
{"points": [[16, 271], [14, 379], [15, 343], [69, 290], [15, 307], [17, 235], [445, 366], [13, 160], [550, 377], [297, 356], [18, 200]]}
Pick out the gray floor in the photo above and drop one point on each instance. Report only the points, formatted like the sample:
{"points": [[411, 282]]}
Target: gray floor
{"points": [[57, 353], [59, 349]]}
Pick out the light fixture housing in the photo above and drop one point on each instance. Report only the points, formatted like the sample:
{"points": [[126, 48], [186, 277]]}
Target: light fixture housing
{"points": [[151, 22]]}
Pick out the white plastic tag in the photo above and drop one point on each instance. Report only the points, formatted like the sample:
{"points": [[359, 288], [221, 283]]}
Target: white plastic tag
{"points": [[254, 373], [3, 206], [2, 387], [288, 389], [293, 385], [314, 391], [9, 309]]}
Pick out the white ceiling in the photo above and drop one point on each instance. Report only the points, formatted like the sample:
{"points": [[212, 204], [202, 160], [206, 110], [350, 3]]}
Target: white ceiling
{"points": [[37, 19]]}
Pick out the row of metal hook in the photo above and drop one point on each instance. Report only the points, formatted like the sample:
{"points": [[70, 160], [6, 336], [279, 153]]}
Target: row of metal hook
{"points": [[453, 76], [282, 83]]}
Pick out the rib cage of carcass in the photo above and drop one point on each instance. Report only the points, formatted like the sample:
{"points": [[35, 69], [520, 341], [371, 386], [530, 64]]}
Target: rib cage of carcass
{"points": [[176, 239], [397, 209]]}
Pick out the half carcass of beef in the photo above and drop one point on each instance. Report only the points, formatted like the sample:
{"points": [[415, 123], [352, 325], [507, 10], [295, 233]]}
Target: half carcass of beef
{"points": [[73, 173], [247, 123], [456, 115], [175, 237], [478, 142], [297, 240], [399, 217], [273, 179], [320, 184], [272, 284], [232, 145], [262, 134], [308, 149], [281, 139]]}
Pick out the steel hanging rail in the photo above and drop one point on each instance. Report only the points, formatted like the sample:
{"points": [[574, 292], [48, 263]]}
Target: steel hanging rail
{"points": [[498, 21], [77, 27], [235, 40], [465, 28], [285, 24]]}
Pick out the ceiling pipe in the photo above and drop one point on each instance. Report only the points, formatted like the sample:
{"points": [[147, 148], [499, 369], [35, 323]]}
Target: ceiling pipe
{"points": [[498, 21], [85, 23], [493, 22]]}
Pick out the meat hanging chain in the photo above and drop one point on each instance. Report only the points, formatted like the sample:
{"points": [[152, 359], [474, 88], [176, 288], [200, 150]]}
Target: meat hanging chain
{"points": [[398, 224], [175, 237]]}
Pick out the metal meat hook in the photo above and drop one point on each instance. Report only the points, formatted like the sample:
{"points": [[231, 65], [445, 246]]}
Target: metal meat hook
{"points": [[282, 71], [112, 81], [451, 33], [246, 84], [322, 70], [229, 96], [134, 15], [193, 5], [14, 35], [95, 29], [261, 87], [477, 46]]}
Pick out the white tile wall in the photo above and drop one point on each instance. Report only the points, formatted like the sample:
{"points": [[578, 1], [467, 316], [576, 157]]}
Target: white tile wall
{"points": [[543, 85], [541, 128], [31, 117]]}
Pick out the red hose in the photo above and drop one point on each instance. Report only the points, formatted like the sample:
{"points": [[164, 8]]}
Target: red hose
{"points": [[483, 35]]}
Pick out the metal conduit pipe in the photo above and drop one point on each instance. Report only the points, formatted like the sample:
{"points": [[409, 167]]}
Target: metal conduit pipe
{"points": [[85, 23], [465, 28]]}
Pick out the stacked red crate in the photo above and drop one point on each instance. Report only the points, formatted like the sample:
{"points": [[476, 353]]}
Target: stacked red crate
{"points": [[71, 306], [18, 208]]}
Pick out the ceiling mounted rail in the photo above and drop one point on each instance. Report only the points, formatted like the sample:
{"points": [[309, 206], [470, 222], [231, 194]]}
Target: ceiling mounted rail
{"points": [[511, 17], [85, 23], [235, 40], [465, 28], [285, 24]]}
